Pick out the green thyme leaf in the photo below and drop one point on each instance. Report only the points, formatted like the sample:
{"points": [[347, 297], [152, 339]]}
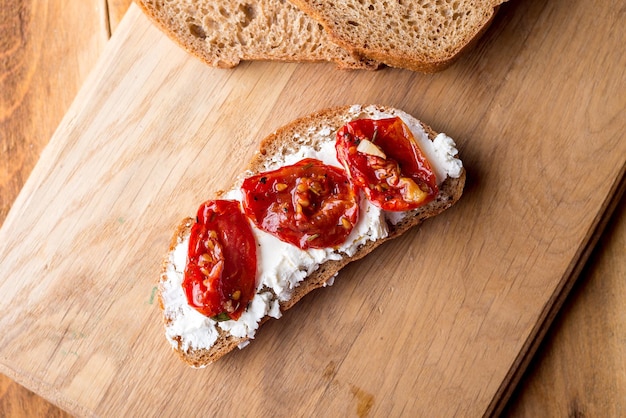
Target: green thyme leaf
{"points": [[223, 316]]}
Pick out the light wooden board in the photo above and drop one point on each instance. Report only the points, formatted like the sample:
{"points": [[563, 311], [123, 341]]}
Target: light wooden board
{"points": [[588, 332], [434, 323]]}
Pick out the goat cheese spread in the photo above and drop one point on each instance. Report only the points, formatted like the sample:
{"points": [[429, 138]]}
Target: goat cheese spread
{"points": [[280, 265]]}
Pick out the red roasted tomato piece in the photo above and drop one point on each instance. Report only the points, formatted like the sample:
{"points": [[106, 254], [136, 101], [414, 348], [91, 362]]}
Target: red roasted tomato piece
{"points": [[383, 158], [220, 276], [308, 204]]}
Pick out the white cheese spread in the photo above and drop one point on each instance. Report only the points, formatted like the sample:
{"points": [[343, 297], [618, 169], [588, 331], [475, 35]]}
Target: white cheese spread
{"points": [[282, 266]]}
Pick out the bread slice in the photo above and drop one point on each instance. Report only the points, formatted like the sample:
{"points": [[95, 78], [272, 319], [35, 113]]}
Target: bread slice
{"points": [[420, 35], [223, 32], [199, 340]]}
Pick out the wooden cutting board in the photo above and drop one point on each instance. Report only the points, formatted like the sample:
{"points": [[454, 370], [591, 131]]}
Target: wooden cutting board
{"points": [[436, 323]]}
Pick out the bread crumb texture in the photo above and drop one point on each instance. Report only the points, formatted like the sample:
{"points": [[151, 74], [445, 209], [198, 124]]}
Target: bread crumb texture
{"points": [[222, 33], [416, 34]]}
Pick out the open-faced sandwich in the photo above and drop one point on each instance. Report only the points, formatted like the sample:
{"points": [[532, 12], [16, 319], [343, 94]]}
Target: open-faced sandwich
{"points": [[321, 192]]}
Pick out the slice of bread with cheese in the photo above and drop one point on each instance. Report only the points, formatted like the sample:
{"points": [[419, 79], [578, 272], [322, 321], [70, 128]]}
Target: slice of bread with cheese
{"points": [[285, 272], [223, 33], [420, 35]]}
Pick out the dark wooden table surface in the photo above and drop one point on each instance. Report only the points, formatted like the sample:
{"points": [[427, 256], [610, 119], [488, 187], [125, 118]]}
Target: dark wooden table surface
{"points": [[48, 47]]}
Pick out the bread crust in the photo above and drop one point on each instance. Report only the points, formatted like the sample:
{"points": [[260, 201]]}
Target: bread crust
{"points": [[285, 140]]}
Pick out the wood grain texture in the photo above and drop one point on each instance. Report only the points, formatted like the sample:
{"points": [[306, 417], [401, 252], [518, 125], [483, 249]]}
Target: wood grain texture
{"points": [[47, 30], [47, 49], [581, 370], [18, 402], [466, 328]]}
